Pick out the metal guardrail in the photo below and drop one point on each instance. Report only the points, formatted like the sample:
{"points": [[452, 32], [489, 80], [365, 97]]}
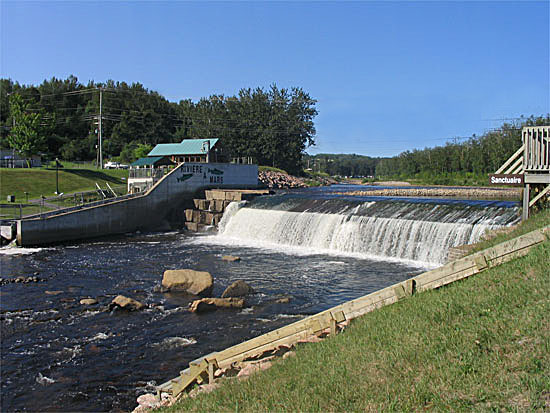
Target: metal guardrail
{"points": [[203, 368], [82, 206], [154, 173], [49, 206]]}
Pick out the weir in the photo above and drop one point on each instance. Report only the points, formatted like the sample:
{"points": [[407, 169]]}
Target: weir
{"points": [[148, 211], [421, 232]]}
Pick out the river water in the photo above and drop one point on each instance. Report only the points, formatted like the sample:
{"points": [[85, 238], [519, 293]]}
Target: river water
{"points": [[59, 355]]}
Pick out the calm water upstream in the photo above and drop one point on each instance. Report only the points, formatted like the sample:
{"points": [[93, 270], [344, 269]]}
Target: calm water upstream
{"points": [[58, 355]]}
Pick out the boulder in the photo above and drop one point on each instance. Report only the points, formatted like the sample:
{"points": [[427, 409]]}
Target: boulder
{"points": [[193, 282], [237, 289], [88, 301], [210, 304], [230, 258], [126, 303]]}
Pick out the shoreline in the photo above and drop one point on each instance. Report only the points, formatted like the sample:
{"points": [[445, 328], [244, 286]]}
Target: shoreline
{"points": [[451, 192]]}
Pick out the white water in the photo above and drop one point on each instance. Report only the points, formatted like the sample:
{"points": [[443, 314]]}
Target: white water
{"points": [[407, 236]]}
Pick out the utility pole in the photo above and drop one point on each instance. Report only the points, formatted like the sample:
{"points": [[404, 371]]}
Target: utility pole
{"points": [[99, 126]]}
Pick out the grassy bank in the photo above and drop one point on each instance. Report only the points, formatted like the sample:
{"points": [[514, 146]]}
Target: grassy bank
{"points": [[481, 344], [41, 181]]}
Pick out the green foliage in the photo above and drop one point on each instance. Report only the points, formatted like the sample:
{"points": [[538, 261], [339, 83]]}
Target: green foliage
{"points": [[26, 134], [341, 164], [443, 165], [263, 168], [272, 126], [142, 150]]}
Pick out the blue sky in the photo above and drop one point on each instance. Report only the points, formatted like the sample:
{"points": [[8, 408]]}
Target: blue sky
{"points": [[388, 76]]}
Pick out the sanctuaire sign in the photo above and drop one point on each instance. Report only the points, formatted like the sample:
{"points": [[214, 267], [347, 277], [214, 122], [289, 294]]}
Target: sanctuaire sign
{"points": [[506, 179]]}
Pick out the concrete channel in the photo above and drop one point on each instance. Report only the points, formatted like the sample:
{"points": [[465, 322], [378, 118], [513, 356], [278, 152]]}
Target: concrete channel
{"points": [[151, 211]]}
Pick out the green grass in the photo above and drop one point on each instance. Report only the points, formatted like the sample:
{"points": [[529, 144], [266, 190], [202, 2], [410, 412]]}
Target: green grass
{"points": [[263, 168], [538, 220], [481, 344], [41, 181]]}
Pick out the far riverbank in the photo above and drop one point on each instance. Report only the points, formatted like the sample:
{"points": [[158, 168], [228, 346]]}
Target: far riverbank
{"points": [[447, 192]]}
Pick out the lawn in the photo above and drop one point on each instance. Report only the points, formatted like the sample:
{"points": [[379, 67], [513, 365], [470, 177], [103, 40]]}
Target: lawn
{"points": [[42, 181]]}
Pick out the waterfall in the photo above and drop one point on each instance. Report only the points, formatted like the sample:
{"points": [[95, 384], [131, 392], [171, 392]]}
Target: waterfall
{"points": [[411, 231]]}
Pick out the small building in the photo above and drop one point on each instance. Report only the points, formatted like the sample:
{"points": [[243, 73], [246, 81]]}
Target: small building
{"points": [[190, 150], [145, 172], [10, 158]]}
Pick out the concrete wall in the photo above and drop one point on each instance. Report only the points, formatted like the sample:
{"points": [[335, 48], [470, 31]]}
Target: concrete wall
{"points": [[145, 212]]}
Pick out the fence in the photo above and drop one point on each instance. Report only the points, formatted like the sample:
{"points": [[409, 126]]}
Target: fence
{"points": [[537, 148], [54, 205], [155, 173], [203, 368]]}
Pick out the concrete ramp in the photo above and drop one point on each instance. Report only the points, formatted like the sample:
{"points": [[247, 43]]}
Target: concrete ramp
{"points": [[144, 212]]}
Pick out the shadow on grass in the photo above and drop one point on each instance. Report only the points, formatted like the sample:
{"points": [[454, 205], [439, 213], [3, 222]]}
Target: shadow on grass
{"points": [[94, 175]]}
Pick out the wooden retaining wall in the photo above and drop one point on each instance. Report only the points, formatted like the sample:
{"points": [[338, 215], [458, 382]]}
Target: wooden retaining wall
{"points": [[202, 369]]}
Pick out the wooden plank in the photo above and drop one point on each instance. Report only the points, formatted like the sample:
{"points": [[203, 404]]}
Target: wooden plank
{"points": [[539, 196], [288, 340], [510, 160], [517, 166], [447, 270], [481, 262], [359, 311], [332, 327], [399, 291], [447, 280], [264, 339], [338, 316]]}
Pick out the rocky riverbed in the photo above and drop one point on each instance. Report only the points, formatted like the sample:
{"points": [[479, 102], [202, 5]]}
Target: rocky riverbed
{"points": [[279, 180], [448, 192]]}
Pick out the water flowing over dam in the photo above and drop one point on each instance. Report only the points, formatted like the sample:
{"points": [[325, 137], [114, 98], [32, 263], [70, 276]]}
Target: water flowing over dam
{"points": [[413, 231]]}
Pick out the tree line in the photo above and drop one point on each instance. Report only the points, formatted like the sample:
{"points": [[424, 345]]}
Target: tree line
{"points": [[350, 165], [478, 155], [273, 126]]}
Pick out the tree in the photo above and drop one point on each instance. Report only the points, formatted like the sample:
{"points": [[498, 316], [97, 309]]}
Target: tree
{"points": [[25, 136], [142, 150]]}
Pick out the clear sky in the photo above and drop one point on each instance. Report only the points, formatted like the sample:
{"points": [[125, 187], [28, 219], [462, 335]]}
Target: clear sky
{"points": [[388, 76]]}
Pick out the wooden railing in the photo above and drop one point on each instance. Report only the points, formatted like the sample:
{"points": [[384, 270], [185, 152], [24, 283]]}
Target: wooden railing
{"points": [[536, 140]]}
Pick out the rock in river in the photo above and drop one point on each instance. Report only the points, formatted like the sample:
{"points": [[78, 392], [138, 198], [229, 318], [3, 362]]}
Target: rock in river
{"points": [[230, 258], [237, 289], [193, 282], [126, 303], [88, 301], [211, 304]]}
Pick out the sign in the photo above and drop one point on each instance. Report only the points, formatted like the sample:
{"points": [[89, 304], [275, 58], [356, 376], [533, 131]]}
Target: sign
{"points": [[506, 179]]}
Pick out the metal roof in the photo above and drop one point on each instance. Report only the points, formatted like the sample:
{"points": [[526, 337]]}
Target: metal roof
{"points": [[186, 147], [147, 161]]}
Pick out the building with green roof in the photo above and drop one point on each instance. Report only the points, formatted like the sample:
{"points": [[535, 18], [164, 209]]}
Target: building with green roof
{"points": [[189, 150], [152, 162]]}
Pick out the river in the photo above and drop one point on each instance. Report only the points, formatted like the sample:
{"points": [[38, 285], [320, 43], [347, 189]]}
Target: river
{"points": [[316, 248]]}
